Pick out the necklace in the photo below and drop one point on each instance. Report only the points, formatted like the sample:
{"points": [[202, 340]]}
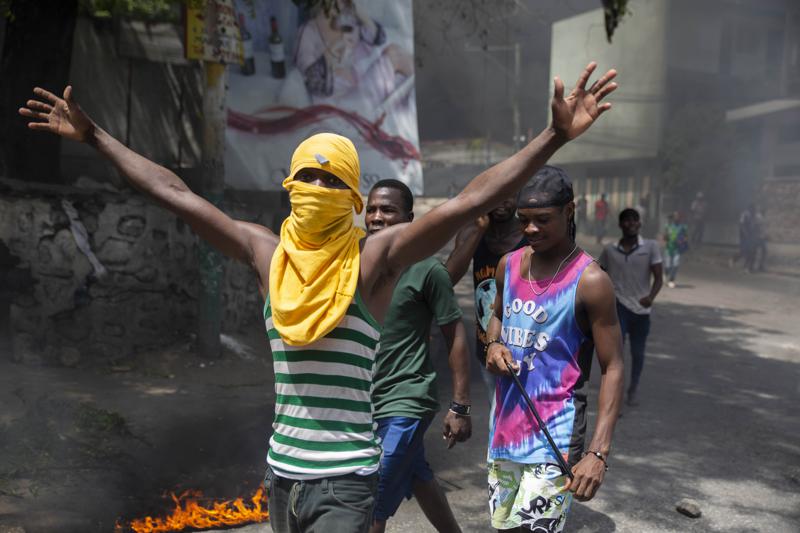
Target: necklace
{"points": [[554, 275]]}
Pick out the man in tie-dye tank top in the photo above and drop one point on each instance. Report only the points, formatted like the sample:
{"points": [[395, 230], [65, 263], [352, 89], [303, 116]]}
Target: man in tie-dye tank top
{"points": [[554, 305]]}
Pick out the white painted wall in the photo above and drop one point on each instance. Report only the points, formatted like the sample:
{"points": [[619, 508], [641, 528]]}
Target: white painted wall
{"points": [[632, 129]]}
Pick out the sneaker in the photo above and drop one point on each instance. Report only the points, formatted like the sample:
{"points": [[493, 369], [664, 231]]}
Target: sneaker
{"points": [[671, 284]]}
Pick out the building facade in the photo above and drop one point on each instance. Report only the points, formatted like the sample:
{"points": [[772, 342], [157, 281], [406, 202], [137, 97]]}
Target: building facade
{"points": [[708, 101]]}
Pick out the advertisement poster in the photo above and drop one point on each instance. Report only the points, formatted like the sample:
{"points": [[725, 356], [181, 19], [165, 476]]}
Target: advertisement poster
{"points": [[348, 71]]}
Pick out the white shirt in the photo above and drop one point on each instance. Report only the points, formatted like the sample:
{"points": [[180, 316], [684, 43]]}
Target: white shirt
{"points": [[630, 271]]}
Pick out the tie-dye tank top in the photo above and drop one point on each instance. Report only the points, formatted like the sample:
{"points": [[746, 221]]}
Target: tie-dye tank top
{"points": [[543, 335]]}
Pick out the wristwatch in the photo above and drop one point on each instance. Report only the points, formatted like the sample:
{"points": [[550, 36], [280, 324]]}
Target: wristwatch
{"points": [[460, 409]]}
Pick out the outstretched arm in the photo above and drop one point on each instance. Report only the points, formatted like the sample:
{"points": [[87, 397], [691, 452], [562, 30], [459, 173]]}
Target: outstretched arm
{"points": [[466, 243], [571, 117], [63, 116], [596, 294]]}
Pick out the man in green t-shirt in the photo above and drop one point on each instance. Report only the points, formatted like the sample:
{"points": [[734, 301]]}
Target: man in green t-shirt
{"points": [[676, 242], [404, 392]]}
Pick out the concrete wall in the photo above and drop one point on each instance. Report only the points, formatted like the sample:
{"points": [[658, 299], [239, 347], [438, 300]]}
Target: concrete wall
{"points": [[62, 314], [719, 54], [59, 313], [780, 189], [632, 130], [696, 36], [617, 156], [782, 217], [153, 107]]}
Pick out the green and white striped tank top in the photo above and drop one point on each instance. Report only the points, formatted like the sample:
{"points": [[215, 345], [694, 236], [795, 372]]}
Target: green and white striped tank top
{"points": [[323, 406]]}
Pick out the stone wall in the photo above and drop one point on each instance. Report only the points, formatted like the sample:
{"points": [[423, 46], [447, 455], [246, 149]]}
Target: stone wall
{"points": [[66, 314], [781, 199]]}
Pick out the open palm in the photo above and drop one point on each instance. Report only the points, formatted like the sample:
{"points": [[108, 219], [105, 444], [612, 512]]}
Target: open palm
{"points": [[574, 114], [62, 116]]}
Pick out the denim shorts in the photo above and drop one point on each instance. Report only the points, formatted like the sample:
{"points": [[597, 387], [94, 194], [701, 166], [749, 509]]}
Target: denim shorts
{"points": [[403, 461]]}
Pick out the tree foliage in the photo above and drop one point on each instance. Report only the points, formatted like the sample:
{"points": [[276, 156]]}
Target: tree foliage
{"points": [[6, 9], [613, 12], [153, 10], [695, 152]]}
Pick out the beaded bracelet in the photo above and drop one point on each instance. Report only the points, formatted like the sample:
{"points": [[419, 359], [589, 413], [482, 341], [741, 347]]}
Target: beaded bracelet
{"points": [[490, 342], [597, 454]]}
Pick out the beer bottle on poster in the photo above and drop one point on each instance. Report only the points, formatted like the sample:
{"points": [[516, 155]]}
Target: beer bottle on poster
{"points": [[276, 52], [249, 65]]}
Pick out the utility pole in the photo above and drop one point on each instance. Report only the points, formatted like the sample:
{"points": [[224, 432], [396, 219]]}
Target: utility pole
{"points": [[212, 36], [209, 313]]}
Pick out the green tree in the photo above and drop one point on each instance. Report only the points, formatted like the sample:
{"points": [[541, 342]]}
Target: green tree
{"points": [[696, 153], [155, 10]]}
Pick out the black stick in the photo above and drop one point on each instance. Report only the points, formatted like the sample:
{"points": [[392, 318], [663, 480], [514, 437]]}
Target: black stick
{"points": [[561, 462]]}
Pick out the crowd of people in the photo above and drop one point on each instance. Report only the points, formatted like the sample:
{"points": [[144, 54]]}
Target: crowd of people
{"points": [[348, 315], [682, 232]]}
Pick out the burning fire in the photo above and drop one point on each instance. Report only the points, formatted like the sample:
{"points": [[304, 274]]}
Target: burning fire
{"points": [[189, 513]]}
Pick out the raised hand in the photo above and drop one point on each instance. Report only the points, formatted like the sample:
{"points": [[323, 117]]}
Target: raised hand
{"points": [[62, 116], [574, 114]]}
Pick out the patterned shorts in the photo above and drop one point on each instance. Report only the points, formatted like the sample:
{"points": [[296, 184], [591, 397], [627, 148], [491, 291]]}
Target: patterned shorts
{"points": [[528, 496]]}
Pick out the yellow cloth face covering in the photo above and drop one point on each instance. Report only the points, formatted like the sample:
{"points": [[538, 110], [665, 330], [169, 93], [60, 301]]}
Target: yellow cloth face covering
{"points": [[313, 275]]}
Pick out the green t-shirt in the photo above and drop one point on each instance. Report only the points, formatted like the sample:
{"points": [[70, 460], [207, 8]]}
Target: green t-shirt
{"points": [[405, 381], [675, 233]]}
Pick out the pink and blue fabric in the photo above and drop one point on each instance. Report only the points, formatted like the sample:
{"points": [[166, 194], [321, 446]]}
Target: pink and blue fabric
{"points": [[543, 335]]}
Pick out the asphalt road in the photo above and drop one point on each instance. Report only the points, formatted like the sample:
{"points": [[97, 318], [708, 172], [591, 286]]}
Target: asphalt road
{"points": [[717, 421], [717, 424]]}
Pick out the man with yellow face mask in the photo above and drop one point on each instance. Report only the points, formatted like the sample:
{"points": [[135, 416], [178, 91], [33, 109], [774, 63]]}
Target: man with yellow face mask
{"points": [[326, 291]]}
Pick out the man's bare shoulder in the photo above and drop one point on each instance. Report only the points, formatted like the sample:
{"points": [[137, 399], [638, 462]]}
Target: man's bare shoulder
{"points": [[260, 235], [595, 286], [379, 242], [506, 256]]}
